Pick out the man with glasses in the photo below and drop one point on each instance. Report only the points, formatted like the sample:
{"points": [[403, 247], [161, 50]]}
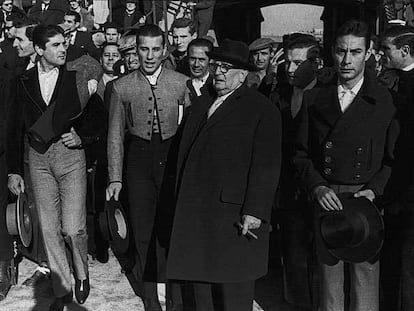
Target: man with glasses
{"points": [[228, 169]]}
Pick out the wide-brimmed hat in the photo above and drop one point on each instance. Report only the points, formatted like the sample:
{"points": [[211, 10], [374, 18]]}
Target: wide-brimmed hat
{"points": [[19, 219], [233, 52], [114, 226], [354, 234]]}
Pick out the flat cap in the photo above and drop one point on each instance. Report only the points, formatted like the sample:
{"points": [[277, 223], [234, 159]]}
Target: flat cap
{"points": [[127, 42], [260, 44]]}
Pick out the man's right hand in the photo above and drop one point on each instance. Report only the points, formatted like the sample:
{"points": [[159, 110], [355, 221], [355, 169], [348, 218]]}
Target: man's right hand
{"points": [[113, 190], [15, 184], [327, 198]]}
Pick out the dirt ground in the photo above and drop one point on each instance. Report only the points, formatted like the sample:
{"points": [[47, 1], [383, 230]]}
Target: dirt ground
{"points": [[110, 291]]}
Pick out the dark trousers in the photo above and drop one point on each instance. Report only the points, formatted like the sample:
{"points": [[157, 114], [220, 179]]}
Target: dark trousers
{"points": [[223, 296], [6, 242], [407, 261], [146, 161]]}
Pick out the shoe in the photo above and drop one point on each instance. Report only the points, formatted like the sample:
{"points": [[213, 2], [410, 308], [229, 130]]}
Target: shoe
{"points": [[60, 302], [102, 255], [82, 289], [151, 304], [36, 278], [5, 283]]}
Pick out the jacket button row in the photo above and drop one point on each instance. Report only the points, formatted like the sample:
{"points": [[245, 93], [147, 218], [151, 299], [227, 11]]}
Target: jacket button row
{"points": [[359, 150], [329, 144], [327, 171]]}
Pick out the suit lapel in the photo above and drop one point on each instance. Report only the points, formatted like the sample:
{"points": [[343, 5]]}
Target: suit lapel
{"points": [[229, 104], [31, 84]]}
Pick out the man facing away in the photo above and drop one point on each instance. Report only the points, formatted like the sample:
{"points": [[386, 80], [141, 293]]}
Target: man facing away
{"points": [[150, 103], [45, 109], [228, 170], [397, 46], [345, 143]]}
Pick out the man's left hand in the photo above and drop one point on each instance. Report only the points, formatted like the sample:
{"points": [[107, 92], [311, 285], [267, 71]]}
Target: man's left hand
{"points": [[368, 193], [71, 139], [250, 222]]}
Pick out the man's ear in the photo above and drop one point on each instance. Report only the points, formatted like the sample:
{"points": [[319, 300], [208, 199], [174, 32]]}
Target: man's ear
{"points": [[405, 50], [368, 54], [194, 35], [39, 50]]}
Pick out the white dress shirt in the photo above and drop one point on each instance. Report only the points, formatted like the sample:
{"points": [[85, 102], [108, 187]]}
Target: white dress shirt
{"points": [[73, 37], [154, 77], [47, 81], [346, 96], [199, 83]]}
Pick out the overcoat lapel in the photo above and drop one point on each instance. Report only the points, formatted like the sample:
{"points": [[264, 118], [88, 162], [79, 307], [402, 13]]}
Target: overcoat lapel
{"points": [[328, 105], [31, 84]]}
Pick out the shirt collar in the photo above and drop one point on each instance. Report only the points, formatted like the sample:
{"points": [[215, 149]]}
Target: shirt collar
{"points": [[354, 90], [154, 77], [409, 67], [202, 79], [41, 72]]}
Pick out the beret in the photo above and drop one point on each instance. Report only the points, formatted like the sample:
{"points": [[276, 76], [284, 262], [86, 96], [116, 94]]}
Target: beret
{"points": [[127, 42]]}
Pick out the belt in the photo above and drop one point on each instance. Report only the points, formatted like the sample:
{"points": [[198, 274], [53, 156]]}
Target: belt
{"points": [[345, 188]]}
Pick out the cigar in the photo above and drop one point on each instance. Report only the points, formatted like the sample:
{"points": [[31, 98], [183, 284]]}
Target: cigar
{"points": [[249, 233]]}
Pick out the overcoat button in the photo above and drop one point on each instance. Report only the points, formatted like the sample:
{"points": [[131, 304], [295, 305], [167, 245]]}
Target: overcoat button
{"points": [[149, 110], [359, 150], [148, 133], [327, 171], [328, 159], [357, 165], [357, 177], [328, 144]]}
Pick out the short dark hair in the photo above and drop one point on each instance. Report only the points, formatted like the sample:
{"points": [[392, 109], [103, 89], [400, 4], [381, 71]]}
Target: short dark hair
{"points": [[201, 42], [42, 34], [150, 30], [111, 25], [29, 24], [304, 41], [109, 44], [75, 14], [356, 28], [401, 35], [184, 22]]}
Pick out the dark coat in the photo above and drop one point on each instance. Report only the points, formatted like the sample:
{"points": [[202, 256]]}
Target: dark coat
{"points": [[228, 166], [119, 14], [401, 185], [52, 16], [353, 148], [84, 41]]}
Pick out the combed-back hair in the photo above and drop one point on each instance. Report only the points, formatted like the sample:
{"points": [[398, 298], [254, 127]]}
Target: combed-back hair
{"points": [[302, 41], [201, 42], [355, 28], [184, 22], [75, 14], [150, 30], [400, 36], [42, 34]]}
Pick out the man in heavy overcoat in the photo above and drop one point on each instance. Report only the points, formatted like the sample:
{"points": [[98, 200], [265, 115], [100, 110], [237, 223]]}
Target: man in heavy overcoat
{"points": [[228, 170]]}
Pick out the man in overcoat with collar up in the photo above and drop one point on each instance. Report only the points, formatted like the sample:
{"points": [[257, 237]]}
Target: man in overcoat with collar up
{"points": [[345, 143], [228, 171]]}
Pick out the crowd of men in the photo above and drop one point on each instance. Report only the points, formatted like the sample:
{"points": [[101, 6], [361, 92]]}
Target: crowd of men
{"points": [[211, 150]]}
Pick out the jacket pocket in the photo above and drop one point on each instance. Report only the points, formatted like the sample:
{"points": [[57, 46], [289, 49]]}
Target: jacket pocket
{"points": [[232, 195], [129, 114]]}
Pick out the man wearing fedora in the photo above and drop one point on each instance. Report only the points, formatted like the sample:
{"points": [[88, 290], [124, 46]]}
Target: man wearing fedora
{"points": [[46, 110], [149, 102], [345, 144], [228, 170]]}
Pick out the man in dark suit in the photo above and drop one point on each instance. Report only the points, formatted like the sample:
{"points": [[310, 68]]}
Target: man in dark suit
{"points": [[79, 39], [345, 143], [128, 16], [49, 12], [6, 241], [398, 48], [228, 170], [46, 110], [294, 215], [201, 82]]}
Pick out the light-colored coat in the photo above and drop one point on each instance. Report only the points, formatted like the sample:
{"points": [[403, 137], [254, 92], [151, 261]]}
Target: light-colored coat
{"points": [[132, 107]]}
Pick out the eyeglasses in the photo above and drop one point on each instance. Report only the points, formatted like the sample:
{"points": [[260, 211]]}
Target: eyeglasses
{"points": [[224, 68]]}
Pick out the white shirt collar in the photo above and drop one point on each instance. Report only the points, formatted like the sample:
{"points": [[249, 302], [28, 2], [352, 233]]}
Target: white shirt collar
{"points": [[409, 67], [202, 79], [154, 77], [354, 90], [50, 72]]}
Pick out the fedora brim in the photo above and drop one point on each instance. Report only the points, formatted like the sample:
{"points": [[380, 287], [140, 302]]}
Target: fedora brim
{"points": [[19, 221], [216, 55], [366, 250]]}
